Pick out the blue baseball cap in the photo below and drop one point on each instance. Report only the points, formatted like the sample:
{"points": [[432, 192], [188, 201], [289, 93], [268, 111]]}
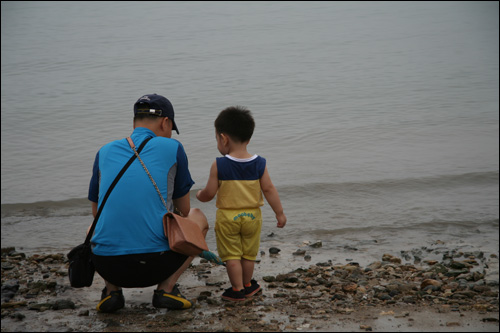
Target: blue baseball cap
{"points": [[156, 105]]}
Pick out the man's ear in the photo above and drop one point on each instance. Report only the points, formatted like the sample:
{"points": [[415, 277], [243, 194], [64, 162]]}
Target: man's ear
{"points": [[164, 123]]}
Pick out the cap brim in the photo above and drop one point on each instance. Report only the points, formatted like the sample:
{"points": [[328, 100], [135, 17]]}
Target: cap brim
{"points": [[174, 127]]}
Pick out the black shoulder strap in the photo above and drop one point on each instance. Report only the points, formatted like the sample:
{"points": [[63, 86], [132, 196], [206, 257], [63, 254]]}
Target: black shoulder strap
{"points": [[111, 187]]}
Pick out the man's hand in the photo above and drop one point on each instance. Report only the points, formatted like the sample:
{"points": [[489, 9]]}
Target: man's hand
{"points": [[210, 256]]}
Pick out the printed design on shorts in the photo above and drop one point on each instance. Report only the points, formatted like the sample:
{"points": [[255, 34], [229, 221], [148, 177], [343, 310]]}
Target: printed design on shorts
{"points": [[244, 214]]}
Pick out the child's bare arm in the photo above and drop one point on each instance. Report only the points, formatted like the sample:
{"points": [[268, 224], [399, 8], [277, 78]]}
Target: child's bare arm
{"points": [[273, 198], [210, 190]]}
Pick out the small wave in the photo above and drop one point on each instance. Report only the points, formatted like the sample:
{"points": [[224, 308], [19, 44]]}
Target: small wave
{"points": [[421, 183], [81, 206], [432, 226], [46, 208], [440, 225]]}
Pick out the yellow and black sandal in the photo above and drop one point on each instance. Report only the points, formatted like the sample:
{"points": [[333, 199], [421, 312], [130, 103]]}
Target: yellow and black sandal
{"points": [[173, 300], [112, 302]]}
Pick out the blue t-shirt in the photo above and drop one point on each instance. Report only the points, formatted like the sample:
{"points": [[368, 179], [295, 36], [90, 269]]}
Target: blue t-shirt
{"points": [[131, 221]]}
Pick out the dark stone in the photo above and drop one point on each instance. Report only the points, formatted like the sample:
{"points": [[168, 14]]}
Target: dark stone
{"points": [[274, 250], [9, 290], [63, 304]]}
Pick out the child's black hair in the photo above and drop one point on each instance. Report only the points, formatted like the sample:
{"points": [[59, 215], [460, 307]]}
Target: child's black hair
{"points": [[237, 122]]}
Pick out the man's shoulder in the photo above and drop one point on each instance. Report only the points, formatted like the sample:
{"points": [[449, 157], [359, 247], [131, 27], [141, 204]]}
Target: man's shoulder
{"points": [[158, 141], [161, 141], [112, 144]]}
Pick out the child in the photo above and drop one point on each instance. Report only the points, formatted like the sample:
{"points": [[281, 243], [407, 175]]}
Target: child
{"points": [[239, 179]]}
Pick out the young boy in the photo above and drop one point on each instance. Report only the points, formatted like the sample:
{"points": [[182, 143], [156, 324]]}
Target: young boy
{"points": [[239, 179]]}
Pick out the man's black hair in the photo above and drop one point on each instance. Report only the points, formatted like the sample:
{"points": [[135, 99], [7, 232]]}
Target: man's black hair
{"points": [[143, 116]]}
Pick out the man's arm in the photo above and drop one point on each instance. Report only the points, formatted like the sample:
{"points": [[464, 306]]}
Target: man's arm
{"points": [[183, 204], [94, 209], [94, 213]]}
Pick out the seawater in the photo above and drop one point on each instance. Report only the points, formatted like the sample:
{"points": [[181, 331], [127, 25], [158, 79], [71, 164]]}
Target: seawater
{"points": [[379, 121]]}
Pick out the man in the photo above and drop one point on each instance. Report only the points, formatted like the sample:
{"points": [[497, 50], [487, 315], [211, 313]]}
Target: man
{"points": [[129, 246]]}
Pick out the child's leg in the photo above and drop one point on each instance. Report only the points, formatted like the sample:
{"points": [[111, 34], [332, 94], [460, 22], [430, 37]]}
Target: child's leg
{"points": [[250, 241], [247, 268], [228, 239], [235, 273]]}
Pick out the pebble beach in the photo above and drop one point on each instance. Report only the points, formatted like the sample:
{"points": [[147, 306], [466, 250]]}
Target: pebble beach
{"points": [[424, 289], [379, 123]]}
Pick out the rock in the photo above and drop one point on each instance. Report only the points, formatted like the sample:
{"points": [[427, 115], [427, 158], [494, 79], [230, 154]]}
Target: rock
{"points": [[84, 313], [481, 288], [299, 252], [428, 282], [8, 305], [40, 306], [19, 316], [63, 304], [490, 319], [452, 323], [291, 278], [274, 250], [7, 250], [9, 289], [317, 244], [391, 258], [387, 313], [491, 273], [324, 264], [349, 287], [409, 299], [6, 266], [375, 265], [456, 272], [465, 294], [269, 278], [438, 268], [384, 297]]}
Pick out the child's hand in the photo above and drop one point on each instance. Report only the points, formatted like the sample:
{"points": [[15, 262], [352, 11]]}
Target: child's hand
{"points": [[198, 195], [281, 218]]}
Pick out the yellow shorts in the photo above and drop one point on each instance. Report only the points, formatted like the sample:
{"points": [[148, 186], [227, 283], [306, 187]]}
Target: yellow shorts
{"points": [[238, 233]]}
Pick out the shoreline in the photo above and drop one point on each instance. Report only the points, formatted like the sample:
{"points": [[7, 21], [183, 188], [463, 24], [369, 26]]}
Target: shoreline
{"points": [[457, 293]]}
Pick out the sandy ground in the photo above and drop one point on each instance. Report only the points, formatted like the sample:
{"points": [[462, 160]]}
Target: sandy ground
{"points": [[279, 308]]}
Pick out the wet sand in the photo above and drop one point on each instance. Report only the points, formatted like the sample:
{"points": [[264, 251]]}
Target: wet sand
{"points": [[456, 294]]}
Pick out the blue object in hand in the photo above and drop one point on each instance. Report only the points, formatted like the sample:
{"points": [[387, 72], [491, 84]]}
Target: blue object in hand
{"points": [[210, 256]]}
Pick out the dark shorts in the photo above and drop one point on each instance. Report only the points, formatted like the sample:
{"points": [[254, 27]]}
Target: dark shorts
{"points": [[138, 270]]}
